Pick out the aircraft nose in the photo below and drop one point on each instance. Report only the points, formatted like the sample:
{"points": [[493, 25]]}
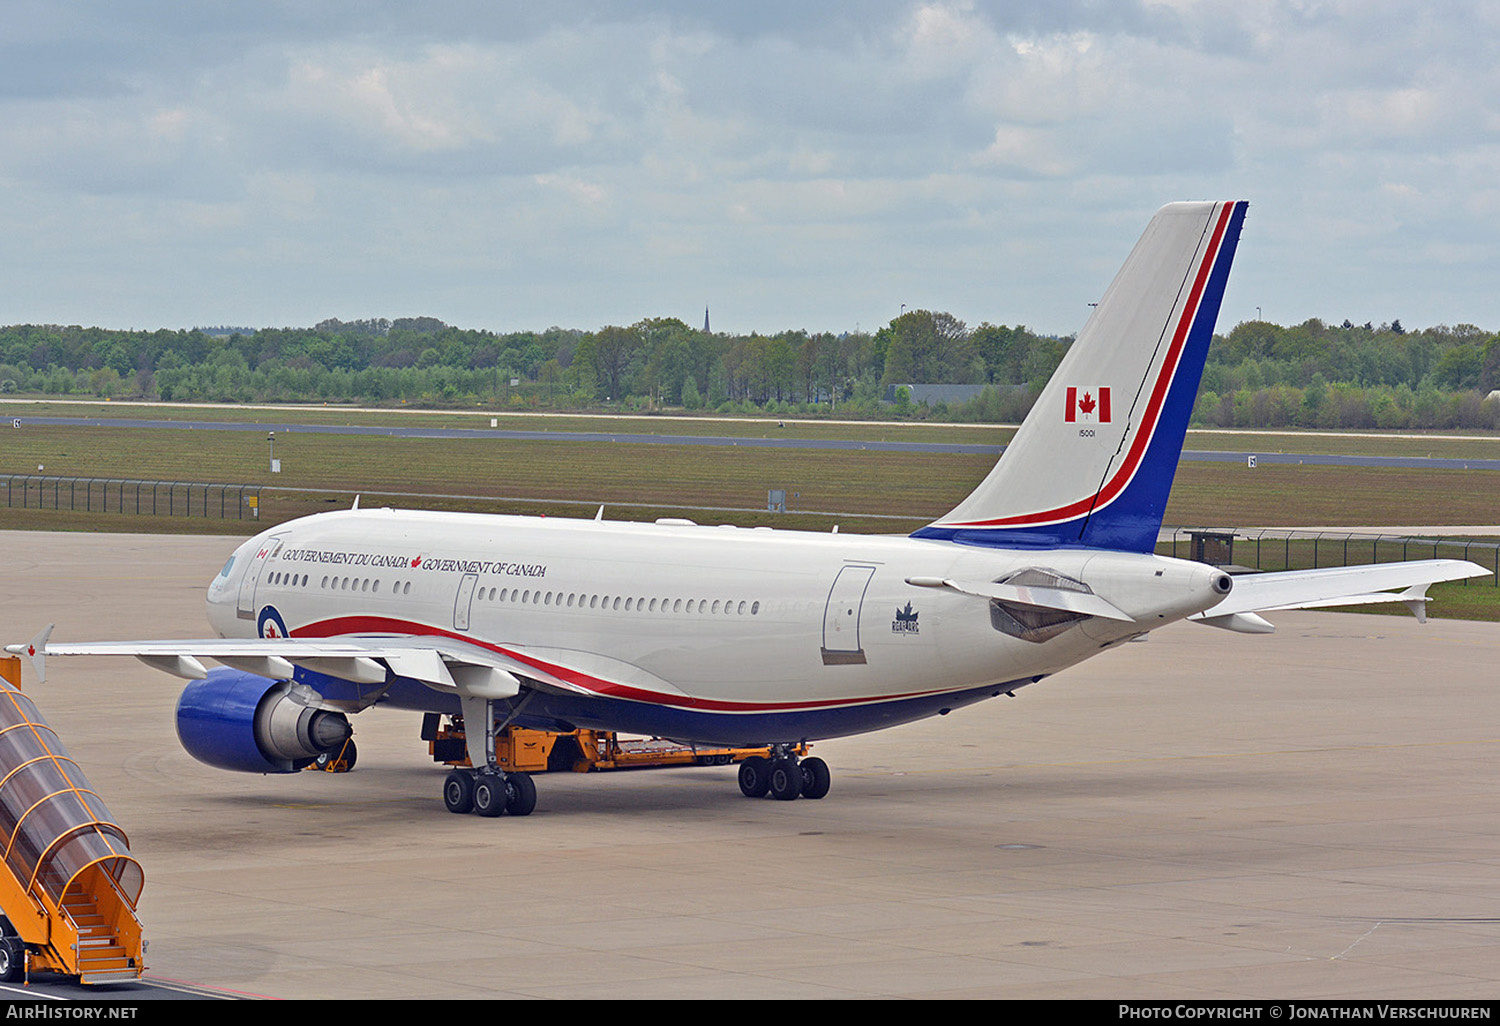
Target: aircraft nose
{"points": [[222, 591]]}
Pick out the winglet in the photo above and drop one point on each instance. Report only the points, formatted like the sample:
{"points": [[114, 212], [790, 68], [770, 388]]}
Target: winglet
{"points": [[36, 651]]}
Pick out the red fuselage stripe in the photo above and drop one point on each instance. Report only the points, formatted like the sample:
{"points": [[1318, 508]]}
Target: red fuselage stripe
{"points": [[343, 626]]}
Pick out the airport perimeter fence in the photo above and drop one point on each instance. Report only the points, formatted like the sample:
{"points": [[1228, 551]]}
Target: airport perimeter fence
{"points": [[128, 495], [1267, 549]]}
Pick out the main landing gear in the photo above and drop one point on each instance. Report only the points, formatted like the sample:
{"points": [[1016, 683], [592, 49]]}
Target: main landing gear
{"points": [[489, 793], [487, 790], [783, 776]]}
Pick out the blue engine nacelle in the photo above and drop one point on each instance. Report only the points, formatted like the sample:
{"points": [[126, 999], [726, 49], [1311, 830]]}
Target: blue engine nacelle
{"points": [[238, 721]]}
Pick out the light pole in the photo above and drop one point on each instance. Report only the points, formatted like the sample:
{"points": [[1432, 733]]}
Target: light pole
{"points": [[271, 438]]}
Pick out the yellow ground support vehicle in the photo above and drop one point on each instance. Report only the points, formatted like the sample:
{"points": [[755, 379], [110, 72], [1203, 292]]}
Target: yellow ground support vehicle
{"points": [[68, 883], [581, 751]]}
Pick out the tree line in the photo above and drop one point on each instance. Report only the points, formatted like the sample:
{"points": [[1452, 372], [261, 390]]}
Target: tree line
{"points": [[1259, 374]]}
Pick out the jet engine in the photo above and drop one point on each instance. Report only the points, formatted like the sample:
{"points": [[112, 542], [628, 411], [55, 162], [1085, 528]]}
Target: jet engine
{"points": [[239, 721]]}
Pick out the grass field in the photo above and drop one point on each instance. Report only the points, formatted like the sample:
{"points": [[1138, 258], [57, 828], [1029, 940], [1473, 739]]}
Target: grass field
{"points": [[915, 485], [857, 490], [649, 424]]}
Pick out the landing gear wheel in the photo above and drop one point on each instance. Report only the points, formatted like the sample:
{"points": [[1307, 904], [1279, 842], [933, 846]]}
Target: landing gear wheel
{"points": [[489, 796], [458, 792], [12, 959], [815, 778], [786, 780], [755, 777], [520, 794]]}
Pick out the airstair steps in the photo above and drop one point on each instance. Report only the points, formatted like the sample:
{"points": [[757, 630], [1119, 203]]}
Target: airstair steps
{"points": [[71, 898], [101, 956]]}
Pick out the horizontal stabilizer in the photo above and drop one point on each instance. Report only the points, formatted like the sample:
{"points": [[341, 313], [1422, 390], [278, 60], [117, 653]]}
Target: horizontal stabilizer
{"points": [[1041, 598], [1337, 586]]}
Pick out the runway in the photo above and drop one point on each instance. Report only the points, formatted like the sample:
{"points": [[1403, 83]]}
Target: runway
{"points": [[1312, 814], [638, 438]]}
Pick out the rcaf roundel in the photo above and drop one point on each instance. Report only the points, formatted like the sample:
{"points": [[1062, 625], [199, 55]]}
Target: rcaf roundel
{"points": [[270, 623], [1088, 405]]}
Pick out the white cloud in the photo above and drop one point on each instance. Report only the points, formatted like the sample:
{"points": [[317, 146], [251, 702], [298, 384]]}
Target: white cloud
{"points": [[589, 161]]}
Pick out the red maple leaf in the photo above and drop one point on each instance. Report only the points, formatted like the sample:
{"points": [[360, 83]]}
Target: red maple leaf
{"points": [[1086, 404], [417, 562]]}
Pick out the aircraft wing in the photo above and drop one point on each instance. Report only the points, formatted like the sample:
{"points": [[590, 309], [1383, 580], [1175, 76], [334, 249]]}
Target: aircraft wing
{"points": [[439, 662], [1332, 586]]}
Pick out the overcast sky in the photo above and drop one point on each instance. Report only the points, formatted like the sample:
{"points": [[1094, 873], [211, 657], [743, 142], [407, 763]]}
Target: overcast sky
{"points": [[790, 165]]}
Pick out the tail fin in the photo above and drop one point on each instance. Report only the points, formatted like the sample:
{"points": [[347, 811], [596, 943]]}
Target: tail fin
{"points": [[1094, 460]]}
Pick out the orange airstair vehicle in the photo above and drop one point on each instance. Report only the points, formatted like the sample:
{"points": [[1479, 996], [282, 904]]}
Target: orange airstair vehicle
{"points": [[68, 883]]}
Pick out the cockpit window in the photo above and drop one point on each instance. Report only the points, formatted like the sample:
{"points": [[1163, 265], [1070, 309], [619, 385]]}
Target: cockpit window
{"points": [[227, 567]]}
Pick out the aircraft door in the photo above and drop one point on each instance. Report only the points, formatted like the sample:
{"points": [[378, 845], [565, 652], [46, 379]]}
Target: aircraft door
{"points": [[841, 616], [245, 608], [463, 600]]}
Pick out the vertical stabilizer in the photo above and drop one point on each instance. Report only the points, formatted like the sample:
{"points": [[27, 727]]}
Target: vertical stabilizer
{"points": [[1093, 463]]}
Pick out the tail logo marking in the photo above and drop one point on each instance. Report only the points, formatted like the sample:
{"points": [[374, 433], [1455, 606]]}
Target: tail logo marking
{"points": [[906, 621], [1086, 405]]}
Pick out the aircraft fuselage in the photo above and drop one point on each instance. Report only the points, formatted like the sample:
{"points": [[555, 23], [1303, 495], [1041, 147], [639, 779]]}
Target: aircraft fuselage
{"points": [[714, 634]]}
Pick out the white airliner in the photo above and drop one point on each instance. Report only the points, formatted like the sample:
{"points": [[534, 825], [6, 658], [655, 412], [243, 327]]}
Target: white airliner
{"points": [[729, 636]]}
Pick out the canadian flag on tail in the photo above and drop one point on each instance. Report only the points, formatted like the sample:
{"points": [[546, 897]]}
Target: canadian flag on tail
{"points": [[1088, 404]]}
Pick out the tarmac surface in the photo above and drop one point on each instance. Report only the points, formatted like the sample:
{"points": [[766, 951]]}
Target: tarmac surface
{"points": [[1312, 814]]}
